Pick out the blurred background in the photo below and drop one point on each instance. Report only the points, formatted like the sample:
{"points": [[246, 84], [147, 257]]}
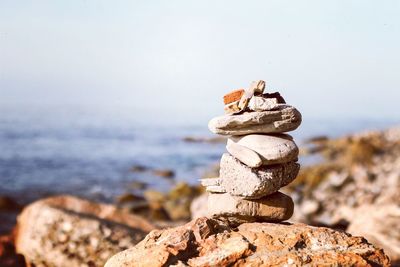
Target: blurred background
{"points": [[103, 99], [89, 89]]}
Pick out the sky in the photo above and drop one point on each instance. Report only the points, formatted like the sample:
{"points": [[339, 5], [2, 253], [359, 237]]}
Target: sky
{"points": [[330, 59]]}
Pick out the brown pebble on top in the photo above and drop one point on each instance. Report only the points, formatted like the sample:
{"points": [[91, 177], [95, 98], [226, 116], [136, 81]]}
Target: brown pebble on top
{"points": [[233, 96]]}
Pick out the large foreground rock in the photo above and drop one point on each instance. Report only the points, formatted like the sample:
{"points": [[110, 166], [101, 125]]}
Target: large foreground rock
{"points": [[252, 183], [276, 207], [284, 119], [208, 242], [380, 224], [68, 231]]}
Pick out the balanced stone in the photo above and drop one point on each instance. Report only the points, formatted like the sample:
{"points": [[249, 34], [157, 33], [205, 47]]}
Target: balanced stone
{"points": [[284, 119], [258, 103], [273, 149], [233, 96], [252, 183], [213, 185], [256, 87], [244, 154], [236, 210], [232, 108]]}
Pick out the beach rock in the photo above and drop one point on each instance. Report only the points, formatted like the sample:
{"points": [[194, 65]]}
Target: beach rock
{"points": [[275, 95], [380, 224], [258, 103], [256, 87], [164, 173], [276, 207], [232, 108], [8, 204], [244, 154], [284, 119], [139, 168], [233, 96], [128, 197], [8, 256], [68, 231], [198, 207], [213, 185], [273, 149], [252, 183], [209, 242]]}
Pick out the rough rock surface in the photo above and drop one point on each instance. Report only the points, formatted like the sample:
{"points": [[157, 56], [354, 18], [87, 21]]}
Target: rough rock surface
{"points": [[284, 119], [273, 149], [276, 207], [258, 103], [208, 242], [252, 183], [380, 224], [68, 231]]}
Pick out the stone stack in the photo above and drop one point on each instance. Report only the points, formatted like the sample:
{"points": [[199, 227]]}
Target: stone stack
{"points": [[261, 157]]}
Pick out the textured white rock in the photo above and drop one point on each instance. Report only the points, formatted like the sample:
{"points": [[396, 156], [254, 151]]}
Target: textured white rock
{"points": [[284, 119], [211, 181], [213, 185], [273, 149], [244, 154], [273, 208], [252, 183], [258, 103]]}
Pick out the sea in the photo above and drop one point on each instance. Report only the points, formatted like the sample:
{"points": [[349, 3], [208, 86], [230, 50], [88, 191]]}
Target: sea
{"points": [[47, 151]]}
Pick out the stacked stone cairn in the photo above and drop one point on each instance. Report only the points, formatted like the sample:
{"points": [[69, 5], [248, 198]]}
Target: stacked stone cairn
{"points": [[261, 157]]}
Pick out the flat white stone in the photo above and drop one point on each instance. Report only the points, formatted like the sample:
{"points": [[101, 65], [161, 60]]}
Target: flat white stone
{"points": [[244, 154], [272, 149], [252, 183], [284, 119]]}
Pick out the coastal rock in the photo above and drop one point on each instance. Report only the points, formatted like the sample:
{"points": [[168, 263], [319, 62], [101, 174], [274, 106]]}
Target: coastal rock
{"points": [[68, 231], [8, 204], [213, 185], [380, 224], [209, 242], [164, 173], [8, 256], [244, 154], [252, 183], [258, 103], [284, 119], [198, 207], [232, 108], [256, 87], [273, 149], [233, 96], [276, 207], [275, 95]]}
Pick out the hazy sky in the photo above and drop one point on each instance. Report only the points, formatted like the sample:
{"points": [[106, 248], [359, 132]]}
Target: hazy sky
{"points": [[328, 58]]}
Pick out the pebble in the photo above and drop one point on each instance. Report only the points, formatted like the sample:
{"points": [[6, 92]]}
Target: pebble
{"points": [[271, 149], [284, 119]]}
